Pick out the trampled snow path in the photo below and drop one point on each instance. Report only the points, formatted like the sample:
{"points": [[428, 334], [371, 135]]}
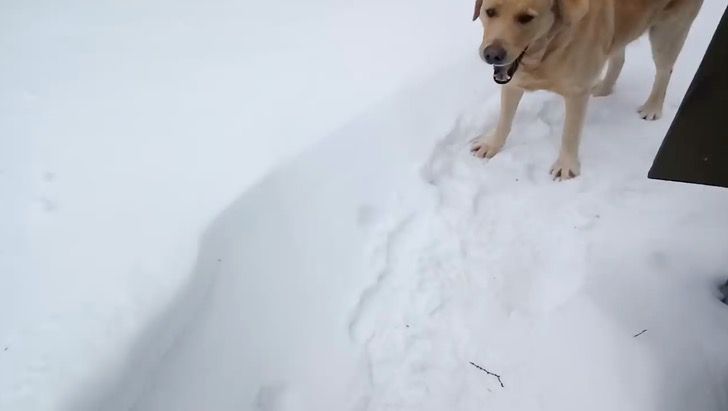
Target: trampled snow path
{"points": [[546, 284]]}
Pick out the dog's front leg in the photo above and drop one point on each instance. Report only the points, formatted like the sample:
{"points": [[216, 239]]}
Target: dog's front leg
{"points": [[488, 145], [567, 165]]}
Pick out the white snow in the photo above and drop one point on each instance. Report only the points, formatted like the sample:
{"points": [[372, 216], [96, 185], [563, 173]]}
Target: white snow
{"points": [[272, 206]]}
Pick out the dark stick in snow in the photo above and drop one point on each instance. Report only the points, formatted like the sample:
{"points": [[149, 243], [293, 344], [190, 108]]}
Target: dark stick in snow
{"points": [[639, 333], [489, 373]]}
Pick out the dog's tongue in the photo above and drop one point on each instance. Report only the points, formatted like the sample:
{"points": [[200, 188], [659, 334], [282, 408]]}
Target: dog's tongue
{"points": [[500, 74]]}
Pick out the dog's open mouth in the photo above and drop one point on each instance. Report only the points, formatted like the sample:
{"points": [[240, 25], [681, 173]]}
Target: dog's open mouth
{"points": [[504, 73]]}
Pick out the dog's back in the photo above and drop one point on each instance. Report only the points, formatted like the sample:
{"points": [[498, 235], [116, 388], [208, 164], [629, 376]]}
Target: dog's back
{"points": [[632, 18]]}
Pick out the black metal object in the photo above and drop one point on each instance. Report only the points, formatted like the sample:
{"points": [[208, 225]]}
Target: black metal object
{"points": [[695, 149]]}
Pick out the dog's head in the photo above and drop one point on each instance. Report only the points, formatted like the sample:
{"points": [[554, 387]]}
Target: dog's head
{"points": [[511, 26]]}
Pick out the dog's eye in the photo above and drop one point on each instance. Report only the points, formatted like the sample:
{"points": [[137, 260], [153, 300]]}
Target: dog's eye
{"points": [[524, 18], [490, 12]]}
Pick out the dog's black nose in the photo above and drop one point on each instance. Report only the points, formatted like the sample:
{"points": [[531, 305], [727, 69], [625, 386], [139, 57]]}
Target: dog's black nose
{"points": [[494, 54]]}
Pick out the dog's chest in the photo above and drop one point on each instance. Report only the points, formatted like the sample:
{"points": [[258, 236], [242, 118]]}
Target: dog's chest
{"points": [[538, 78], [559, 73]]}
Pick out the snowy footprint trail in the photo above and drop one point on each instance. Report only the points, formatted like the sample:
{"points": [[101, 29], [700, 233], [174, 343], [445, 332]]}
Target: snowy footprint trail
{"points": [[546, 284]]}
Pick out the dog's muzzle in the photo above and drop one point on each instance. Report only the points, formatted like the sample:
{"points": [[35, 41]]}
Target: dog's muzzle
{"points": [[503, 73]]}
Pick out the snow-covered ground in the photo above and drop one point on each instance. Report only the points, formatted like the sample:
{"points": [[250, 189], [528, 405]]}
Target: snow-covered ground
{"points": [[272, 206]]}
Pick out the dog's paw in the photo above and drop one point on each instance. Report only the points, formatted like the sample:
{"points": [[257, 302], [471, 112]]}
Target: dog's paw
{"points": [[602, 89], [486, 146], [650, 111], [565, 168]]}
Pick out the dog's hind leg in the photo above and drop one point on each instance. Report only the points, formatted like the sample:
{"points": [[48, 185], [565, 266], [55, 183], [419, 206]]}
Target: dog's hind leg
{"points": [[606, 86], [667, 38]]}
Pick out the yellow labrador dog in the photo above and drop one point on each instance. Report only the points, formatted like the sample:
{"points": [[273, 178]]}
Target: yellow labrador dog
{"points": [[563, 45]]}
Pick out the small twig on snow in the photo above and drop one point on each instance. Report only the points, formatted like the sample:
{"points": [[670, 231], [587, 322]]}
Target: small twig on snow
{"points": [[489, 373], [639, 333]]}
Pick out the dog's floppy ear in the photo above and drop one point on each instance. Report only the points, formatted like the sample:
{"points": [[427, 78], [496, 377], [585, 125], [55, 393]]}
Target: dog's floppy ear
{"points": [[571, 11], [478, 6]]}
